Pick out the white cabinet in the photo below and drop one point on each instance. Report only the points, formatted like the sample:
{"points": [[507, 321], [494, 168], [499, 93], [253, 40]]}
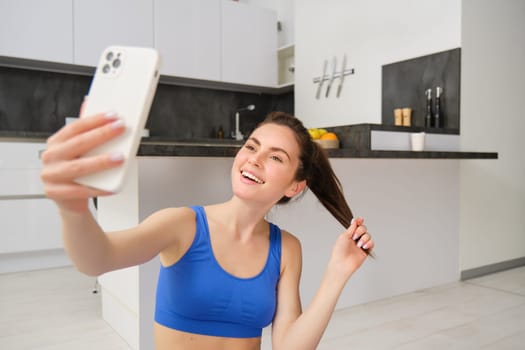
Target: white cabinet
{"points": [[29, 225], [100, 23], [216, 40], [30, 234], [20, 169], [30, 222], [286, 65], [36, 29], [187, 35], [249, 44]]}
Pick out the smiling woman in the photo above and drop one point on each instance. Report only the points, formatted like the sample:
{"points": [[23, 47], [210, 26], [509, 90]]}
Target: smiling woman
{"points": [[206, 296]]}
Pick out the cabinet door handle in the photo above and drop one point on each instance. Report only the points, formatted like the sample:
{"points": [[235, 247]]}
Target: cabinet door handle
{"points": [[22, 196]]}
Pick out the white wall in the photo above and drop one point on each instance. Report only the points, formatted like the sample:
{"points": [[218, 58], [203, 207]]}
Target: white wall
{"points": [[372, 33], [490, 34], [492, 119]]}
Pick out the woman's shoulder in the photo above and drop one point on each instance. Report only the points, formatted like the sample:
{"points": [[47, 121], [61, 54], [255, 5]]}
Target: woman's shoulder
{"points": [[290, 245], [289, 238], [176, 227]]}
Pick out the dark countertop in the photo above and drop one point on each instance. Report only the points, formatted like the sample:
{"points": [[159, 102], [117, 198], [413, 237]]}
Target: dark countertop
{"points": [[164, 147]]}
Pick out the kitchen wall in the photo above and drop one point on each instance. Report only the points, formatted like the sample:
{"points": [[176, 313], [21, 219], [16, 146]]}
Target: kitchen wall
{"points": [[371, 33], [492, 205]]}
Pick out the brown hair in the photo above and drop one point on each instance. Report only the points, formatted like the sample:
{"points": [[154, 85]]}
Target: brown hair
{"points": [[315, 168]]}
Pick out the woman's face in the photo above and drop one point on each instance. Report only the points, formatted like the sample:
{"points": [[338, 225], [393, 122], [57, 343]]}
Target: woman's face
{"points": [[265, 166]]}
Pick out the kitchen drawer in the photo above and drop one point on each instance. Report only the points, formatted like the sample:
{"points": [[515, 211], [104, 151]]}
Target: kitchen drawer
{"points": [[29, 225], [20, 155], [17, 182], [20, 169]]}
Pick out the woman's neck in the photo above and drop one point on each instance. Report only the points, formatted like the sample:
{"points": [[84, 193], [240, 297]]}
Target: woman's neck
{"points": [[242, 219]]}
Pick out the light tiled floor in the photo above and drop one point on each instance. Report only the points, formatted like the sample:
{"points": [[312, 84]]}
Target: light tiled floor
{"points": [[56, 309]]}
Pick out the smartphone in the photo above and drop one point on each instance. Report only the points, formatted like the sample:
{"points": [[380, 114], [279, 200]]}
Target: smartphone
{"points": [[125, 82]]}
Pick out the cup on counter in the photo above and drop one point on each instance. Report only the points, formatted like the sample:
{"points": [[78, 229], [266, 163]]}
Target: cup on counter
{"points": [[417, 141]]}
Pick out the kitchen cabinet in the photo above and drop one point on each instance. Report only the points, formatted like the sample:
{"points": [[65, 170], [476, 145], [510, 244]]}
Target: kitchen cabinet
{"points": [[29, 225], [20, 169], [36, 29], [187, 35], [249, 44], [30, 222], [100, 23], [286, 65], [219, 41]]}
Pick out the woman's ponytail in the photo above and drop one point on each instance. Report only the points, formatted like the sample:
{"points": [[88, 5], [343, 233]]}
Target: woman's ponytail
{"points": [[325, 185], [316, 169]]}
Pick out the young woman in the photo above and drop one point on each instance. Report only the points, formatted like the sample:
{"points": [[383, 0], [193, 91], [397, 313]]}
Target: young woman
{"points": [[208, 298]]}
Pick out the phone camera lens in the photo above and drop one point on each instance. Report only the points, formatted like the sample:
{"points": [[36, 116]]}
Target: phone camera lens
{"points": [[106, 68], [116, 63], [109, 56]]}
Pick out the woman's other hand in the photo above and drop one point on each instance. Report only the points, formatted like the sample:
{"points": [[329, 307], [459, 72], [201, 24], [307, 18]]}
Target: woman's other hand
{"points": [[62, 160], [351, 248]]}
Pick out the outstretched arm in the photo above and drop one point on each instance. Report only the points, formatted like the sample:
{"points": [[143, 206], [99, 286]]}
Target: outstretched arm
{"points": [[295, 330], [92, 250]]}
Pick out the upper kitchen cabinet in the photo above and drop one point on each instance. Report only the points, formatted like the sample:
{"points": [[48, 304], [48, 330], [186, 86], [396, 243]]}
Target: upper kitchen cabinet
{"points": [[188, 37], [36, 29], [249, 44], [101, 23]]}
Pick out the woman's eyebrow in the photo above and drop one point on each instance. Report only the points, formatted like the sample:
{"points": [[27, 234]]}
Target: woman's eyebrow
{"points": [[273, 149]]}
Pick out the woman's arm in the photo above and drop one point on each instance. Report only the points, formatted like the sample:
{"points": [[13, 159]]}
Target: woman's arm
{"points": [[93, 251], [295, 330]]}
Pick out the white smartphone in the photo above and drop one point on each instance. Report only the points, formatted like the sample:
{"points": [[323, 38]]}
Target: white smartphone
{"points": [[125, 82]]}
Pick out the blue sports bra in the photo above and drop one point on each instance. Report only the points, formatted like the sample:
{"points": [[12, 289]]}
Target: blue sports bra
{"points": [[197, 295]]}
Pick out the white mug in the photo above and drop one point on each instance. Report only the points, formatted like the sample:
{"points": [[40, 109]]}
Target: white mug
{"points": [[417, 141]]}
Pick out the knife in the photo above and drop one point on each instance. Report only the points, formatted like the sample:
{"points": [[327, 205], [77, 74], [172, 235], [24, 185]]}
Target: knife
{"points": [[321, 80], [340, 86], [332, 77]]}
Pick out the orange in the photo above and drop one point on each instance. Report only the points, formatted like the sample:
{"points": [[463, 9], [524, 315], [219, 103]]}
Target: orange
{"points": [[329, 136]]}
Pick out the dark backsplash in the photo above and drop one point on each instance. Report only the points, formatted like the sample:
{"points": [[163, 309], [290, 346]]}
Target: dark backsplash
{"points": [[404, 84], [32, 100]]}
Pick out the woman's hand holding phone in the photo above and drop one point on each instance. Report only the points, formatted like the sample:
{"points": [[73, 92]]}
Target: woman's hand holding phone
{"points": [[64, 159], [85, 158]]}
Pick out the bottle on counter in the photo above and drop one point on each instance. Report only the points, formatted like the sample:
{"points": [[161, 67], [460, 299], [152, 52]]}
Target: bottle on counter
{"points": [[437, 110], [428, 115], [220, 133]]}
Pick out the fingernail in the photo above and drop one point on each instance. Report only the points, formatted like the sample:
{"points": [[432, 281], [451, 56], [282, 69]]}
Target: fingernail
{"points": [[116, 157], [365, 246], [359, 244], [117, 124], [110, 114], [354, 237]]}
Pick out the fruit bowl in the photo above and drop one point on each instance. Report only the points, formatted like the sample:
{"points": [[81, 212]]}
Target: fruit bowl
{"points": [[328, 144]]}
